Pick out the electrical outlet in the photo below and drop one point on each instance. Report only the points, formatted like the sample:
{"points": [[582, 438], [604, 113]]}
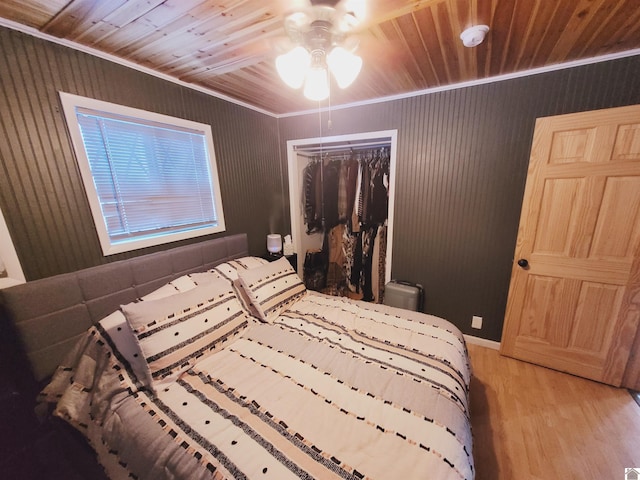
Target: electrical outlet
{"points": [[476, 322]]}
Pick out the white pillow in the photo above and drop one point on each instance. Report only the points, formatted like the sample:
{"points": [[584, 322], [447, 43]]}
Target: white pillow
{"points": [[122, 336], [180, 284], [230, 269], [125, 343], [175, 332], [272, 288], [204, 278]]}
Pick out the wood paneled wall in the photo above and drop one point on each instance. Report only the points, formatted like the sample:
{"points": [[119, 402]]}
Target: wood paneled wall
{"points": [[41, 193], [461, 167]]}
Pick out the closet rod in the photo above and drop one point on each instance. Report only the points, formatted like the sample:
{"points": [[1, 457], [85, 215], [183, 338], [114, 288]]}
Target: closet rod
{"points": [[342, 146]]}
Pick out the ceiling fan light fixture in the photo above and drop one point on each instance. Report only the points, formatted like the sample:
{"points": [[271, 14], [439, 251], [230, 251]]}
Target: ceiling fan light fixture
{"points": [[474, 36], [323, 44], [316, 85], [344, 65], [297, 19], [347, 22], [292, 66], [358, 8]]}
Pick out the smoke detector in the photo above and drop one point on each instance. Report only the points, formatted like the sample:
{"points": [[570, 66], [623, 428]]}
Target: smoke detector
{"points": [[474, 36]]}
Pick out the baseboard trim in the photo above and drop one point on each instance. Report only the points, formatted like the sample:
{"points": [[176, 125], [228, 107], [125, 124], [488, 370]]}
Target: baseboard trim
{"points": [[483, 342]]}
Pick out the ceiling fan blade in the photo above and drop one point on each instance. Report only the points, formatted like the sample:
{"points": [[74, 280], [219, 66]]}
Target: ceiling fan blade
{"points": [[361, 33], [374, 12], [379, 51], [281, 44], [286, 7]]}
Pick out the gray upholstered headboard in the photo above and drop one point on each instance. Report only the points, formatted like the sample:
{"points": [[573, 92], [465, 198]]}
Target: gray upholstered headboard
{"points": [[50, 314]]}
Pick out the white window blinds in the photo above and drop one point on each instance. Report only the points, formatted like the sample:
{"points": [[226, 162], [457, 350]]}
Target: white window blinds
{"points": [[151, 179]]}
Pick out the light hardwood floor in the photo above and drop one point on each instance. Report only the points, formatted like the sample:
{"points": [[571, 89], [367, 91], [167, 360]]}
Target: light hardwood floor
{"points": [[533, 423]]}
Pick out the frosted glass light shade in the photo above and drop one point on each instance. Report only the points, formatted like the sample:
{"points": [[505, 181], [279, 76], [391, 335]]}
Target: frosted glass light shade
{"points": [[292, 66], [358, 7], [274, 243], [316, 86], [344, 65]]}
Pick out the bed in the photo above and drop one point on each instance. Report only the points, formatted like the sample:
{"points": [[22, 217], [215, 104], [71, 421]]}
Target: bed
{"points": [[204, 362]]}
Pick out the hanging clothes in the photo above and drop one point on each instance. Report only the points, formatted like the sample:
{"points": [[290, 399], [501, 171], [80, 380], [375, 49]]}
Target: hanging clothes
{"points": [[379, 259], [368, 237], [348, 199], [365, 194], [336, 280], [378, 194], [347, 188], [330, 183], [310, 183], [357, 201]]}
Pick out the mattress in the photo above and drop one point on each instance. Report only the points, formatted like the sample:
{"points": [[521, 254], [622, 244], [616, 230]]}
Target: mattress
{"points": [[327, 388]]}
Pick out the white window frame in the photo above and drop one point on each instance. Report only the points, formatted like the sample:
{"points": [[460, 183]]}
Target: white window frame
{"points": [[70, 103], [9, 258]]}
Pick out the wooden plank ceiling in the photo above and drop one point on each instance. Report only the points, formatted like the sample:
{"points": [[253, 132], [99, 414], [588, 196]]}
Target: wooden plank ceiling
{"points": [[407, 45]]}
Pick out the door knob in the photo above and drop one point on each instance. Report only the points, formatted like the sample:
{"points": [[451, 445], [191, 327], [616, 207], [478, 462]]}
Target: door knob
{"points": [[523, 262]]}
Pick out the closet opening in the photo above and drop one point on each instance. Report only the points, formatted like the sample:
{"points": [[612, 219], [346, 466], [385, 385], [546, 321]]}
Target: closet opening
{"points": [[341, 196]]}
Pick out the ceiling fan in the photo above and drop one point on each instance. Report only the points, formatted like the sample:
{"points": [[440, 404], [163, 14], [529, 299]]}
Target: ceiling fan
{"points": [[321, 38]]}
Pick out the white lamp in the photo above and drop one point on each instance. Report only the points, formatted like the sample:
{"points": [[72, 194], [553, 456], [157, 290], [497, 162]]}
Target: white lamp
{"points": [[274, 243]]}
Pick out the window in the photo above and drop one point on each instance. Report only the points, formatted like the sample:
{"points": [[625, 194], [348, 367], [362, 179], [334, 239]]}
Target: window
{"points": [[149, 178], [10, 268]]}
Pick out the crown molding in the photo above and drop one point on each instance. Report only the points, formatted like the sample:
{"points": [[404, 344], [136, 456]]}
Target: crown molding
{"points": [[499, 78], [126, 63], [472, 83]]}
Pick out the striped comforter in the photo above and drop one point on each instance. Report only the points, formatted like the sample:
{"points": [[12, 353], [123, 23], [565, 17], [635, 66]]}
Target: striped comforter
{"points": [[331, 389]]}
